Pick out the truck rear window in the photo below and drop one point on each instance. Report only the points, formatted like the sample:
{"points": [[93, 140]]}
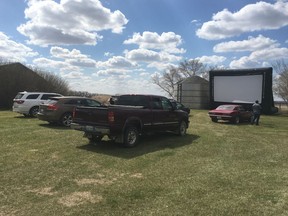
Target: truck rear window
{"points": [[131, 100]]}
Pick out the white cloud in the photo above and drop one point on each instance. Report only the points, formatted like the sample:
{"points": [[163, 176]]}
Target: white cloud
{"points": [[12, 51], [252, 44], [260, 57], [69, 22], [117, 62], [73, 57], [252, 17], [214, 59], [59, 52], [111, 72], [150, 56], [143, 55], [56, 65], [167, 41]]}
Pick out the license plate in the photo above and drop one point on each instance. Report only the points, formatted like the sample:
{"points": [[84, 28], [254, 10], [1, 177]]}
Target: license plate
{"points": [[219, 118], [89, 128]]}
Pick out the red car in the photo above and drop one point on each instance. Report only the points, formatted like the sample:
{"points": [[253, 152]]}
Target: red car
{"points": [[232, 113]]}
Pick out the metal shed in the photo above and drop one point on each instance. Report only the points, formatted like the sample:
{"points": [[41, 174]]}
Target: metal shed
{"points": [[193, 92]]}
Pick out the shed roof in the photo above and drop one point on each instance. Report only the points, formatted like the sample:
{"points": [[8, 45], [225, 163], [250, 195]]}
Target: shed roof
{"points": [[195, 80]]}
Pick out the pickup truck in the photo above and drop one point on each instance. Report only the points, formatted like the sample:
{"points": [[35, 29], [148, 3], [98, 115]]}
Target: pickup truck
{"points": [[129, 117]]}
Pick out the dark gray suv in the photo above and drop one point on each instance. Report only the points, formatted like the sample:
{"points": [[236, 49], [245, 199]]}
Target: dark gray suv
{"points": [[60, 109]]}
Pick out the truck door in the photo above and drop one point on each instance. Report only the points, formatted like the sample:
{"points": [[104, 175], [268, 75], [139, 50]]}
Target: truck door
{"points": [[164, 118]]}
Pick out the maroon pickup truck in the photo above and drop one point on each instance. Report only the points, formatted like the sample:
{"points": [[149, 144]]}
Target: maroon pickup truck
{"points": [[129, 117]]}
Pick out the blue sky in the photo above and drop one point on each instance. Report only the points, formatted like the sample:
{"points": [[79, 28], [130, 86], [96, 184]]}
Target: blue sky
{"points": [[116, 46]]}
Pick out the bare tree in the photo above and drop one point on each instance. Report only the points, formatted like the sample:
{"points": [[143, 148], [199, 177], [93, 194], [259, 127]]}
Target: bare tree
{"points": [[281, 80], [55, 82], [168, 80], [191, 68]]}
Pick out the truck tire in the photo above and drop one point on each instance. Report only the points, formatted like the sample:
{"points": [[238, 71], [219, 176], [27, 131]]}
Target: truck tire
{"points": [[182, 128], [131, 136]]}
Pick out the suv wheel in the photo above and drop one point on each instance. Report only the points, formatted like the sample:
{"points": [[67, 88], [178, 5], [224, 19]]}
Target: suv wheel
{"points": [[66, 119], [33, 111]]}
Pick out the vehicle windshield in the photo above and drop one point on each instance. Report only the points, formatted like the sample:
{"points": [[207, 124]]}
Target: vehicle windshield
{"points": [[225, 107]]}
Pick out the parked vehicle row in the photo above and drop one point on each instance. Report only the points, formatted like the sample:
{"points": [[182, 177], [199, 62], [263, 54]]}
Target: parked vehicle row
{"points": [[124, 120]]}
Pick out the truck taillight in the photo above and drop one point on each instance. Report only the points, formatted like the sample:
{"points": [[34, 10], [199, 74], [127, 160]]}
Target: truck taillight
{"points": [[111, 116], [52, 107]]}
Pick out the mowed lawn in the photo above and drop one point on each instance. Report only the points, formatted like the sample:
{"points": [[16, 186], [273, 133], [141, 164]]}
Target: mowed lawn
{"points": [[217, 169]]}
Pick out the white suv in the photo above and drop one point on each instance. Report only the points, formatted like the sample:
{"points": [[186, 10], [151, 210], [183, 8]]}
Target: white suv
{"points": [[27, 103]]}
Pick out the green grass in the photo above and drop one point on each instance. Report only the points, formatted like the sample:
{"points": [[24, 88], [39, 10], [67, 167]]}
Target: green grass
{"points": [[217, 169]]}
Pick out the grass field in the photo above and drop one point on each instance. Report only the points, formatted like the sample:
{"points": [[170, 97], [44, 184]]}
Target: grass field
{"points": [[217, 169]]}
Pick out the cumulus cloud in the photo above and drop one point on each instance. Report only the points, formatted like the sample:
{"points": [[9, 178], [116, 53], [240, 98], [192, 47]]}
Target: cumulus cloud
{"points": [[143, 55], [62, 66], [258, 57], [150, 56], [69, 22], [252, 17], [13, 51], [252, 44], [167, 41], [112, 72], [73, 57], [117, 62], [213, 60]]}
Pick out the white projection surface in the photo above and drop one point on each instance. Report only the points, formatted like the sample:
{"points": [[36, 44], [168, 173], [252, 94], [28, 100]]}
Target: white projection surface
{"points": [[238, 89]]}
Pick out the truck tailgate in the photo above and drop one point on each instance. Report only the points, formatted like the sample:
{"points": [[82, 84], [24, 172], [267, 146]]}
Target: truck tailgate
{"points": [[91, 115]]}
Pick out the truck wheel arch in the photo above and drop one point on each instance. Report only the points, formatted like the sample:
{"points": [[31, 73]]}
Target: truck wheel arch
{"points": [[136, 122]]}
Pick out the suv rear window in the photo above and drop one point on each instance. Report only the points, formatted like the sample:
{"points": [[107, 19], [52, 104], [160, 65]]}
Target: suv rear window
{"points": [[32, 96], [19, 96]]}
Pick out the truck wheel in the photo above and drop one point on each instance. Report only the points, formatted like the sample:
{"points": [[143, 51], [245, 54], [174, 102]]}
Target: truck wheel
{"points": [[66, 119], [182, 128], [131, 137], [33, 111]]}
